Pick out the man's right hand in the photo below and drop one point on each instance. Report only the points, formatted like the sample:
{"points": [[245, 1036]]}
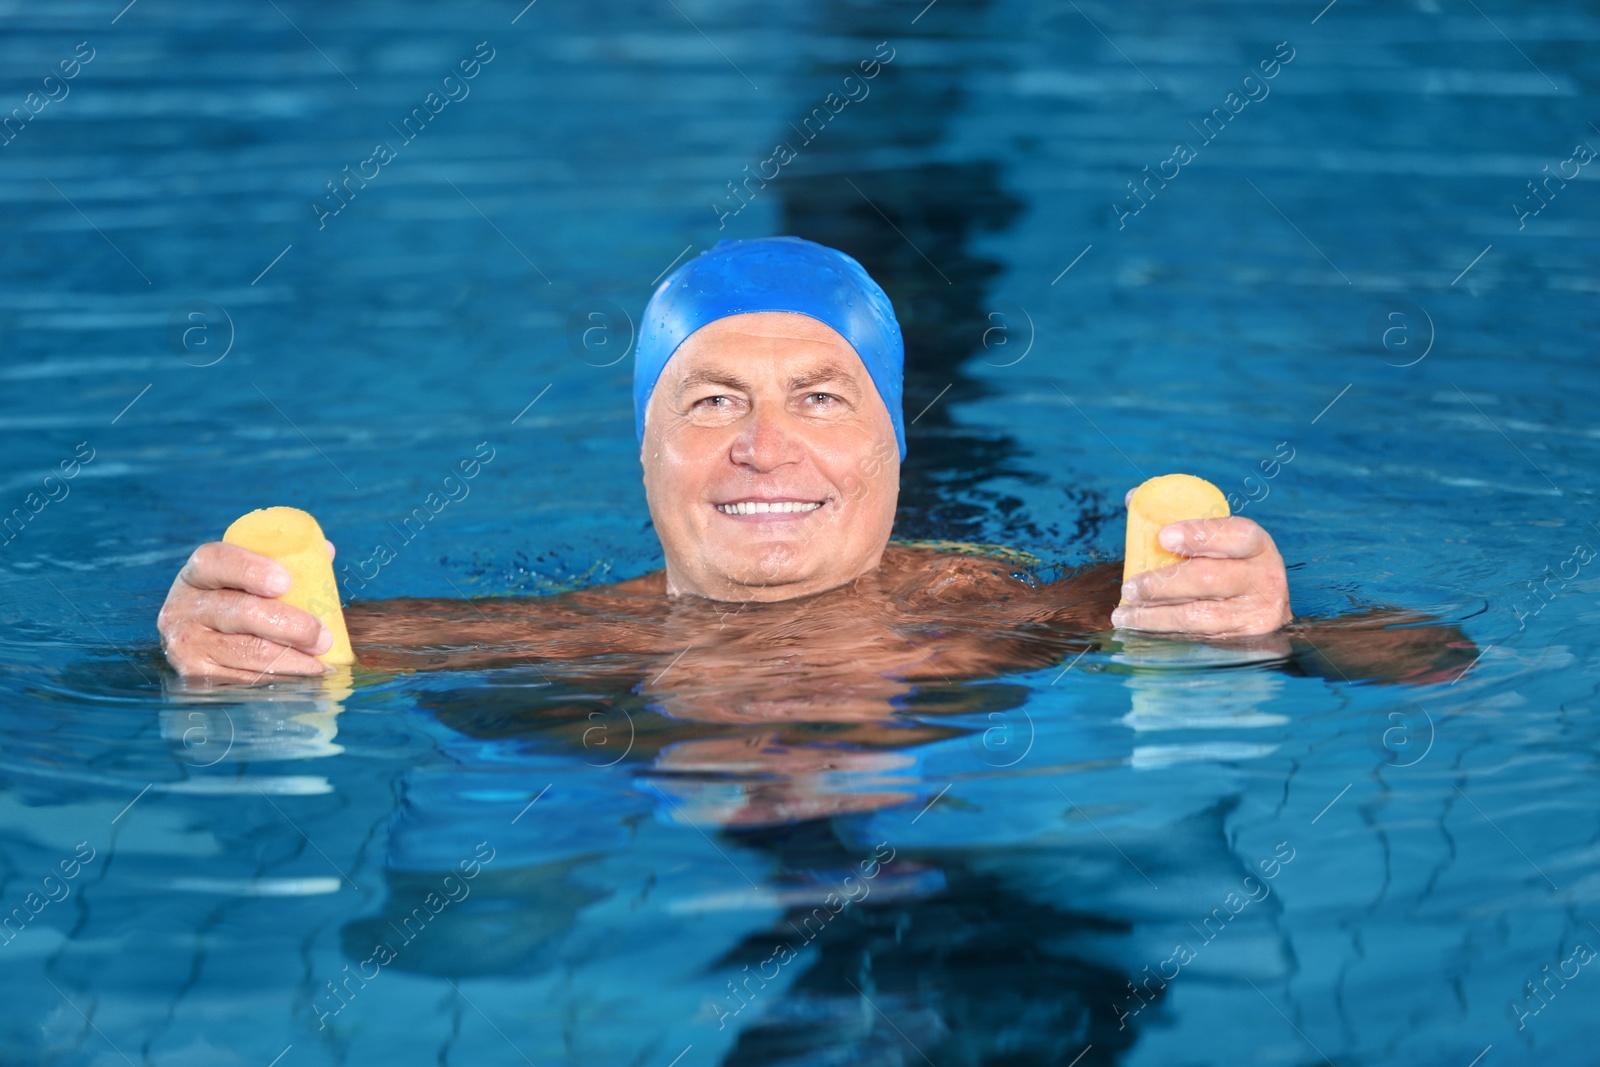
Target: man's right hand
{"points": [[221, 620]]}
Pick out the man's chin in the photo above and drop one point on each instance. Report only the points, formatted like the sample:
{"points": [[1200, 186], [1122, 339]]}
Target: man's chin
{"points": [[766, 575]]}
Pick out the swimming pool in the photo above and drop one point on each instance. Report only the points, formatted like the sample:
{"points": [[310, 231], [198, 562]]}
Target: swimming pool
{"points": [[1362, 301]]}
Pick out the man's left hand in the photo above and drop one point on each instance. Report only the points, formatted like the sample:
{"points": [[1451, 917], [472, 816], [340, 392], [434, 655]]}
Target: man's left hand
{"points": [[1231, 582]]}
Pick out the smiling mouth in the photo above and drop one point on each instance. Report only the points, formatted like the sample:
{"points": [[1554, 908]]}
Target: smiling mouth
{"points": [[769, 507]]}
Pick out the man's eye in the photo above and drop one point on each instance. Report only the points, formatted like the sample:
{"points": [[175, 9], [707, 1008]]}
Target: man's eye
{"points": [[712, 401], [821, 398]]}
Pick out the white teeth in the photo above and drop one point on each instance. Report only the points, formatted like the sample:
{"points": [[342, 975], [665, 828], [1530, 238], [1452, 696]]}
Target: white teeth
{"points": [[762, 507]]}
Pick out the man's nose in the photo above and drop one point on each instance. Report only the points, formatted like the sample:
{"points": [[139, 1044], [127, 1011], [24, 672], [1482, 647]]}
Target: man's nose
{"points": [[766, 440]]}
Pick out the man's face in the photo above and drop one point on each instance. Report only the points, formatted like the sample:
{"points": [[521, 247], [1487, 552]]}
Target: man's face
{"points": [[770, 461]]}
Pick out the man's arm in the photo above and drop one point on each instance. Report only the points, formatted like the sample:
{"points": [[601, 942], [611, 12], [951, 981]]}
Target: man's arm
{"points": [[1384, 645], [1389, 646], [414, 633], [221, 621]]}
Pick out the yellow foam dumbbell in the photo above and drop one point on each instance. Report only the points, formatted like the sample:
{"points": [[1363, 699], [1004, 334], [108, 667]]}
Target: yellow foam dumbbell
{"points": [[1159, 501], [293, 538]]}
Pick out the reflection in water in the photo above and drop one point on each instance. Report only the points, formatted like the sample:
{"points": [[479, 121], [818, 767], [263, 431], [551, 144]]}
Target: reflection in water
{"points": [[913, 229], [943, 315], [811, 767], [890, 724], [667, 829], [497, 922], [975, 974], [1173, 690], [211, 724]]}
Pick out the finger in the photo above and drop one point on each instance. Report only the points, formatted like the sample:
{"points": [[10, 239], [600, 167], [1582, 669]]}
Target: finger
{"points": [[259, 657], [199, 653], [1228, 537], [229, 611], [1199, 578], [1210, 618], [219, 565]]}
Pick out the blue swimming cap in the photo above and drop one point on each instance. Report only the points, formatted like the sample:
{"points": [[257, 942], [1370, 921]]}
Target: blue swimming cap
{"points": [[773, 274]]}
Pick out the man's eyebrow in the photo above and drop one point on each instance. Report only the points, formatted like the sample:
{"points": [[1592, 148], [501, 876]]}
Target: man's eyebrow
{"points": [[715, 377], [826, 372]]}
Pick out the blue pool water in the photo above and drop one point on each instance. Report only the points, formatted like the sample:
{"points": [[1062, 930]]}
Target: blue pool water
{"points": [[1159, 853]]}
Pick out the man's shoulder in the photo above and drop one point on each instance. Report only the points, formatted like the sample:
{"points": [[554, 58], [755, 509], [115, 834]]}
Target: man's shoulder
{"points": [[970, 550], [956, 569], [959, 571], [652, 586]]}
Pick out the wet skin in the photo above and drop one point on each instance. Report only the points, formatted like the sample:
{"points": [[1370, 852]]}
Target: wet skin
{"points": [[922, 618], [772, 475], [787, 696]]}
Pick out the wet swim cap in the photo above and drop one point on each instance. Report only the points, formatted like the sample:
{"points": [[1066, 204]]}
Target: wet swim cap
{"points": [[773, 274]]}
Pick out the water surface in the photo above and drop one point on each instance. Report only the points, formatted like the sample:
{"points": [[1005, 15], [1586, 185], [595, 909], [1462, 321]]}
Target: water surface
{"points": [[1361, 869]]}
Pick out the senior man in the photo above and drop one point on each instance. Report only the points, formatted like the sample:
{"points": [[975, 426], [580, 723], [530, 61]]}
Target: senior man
{"points": [[767, 399]]}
